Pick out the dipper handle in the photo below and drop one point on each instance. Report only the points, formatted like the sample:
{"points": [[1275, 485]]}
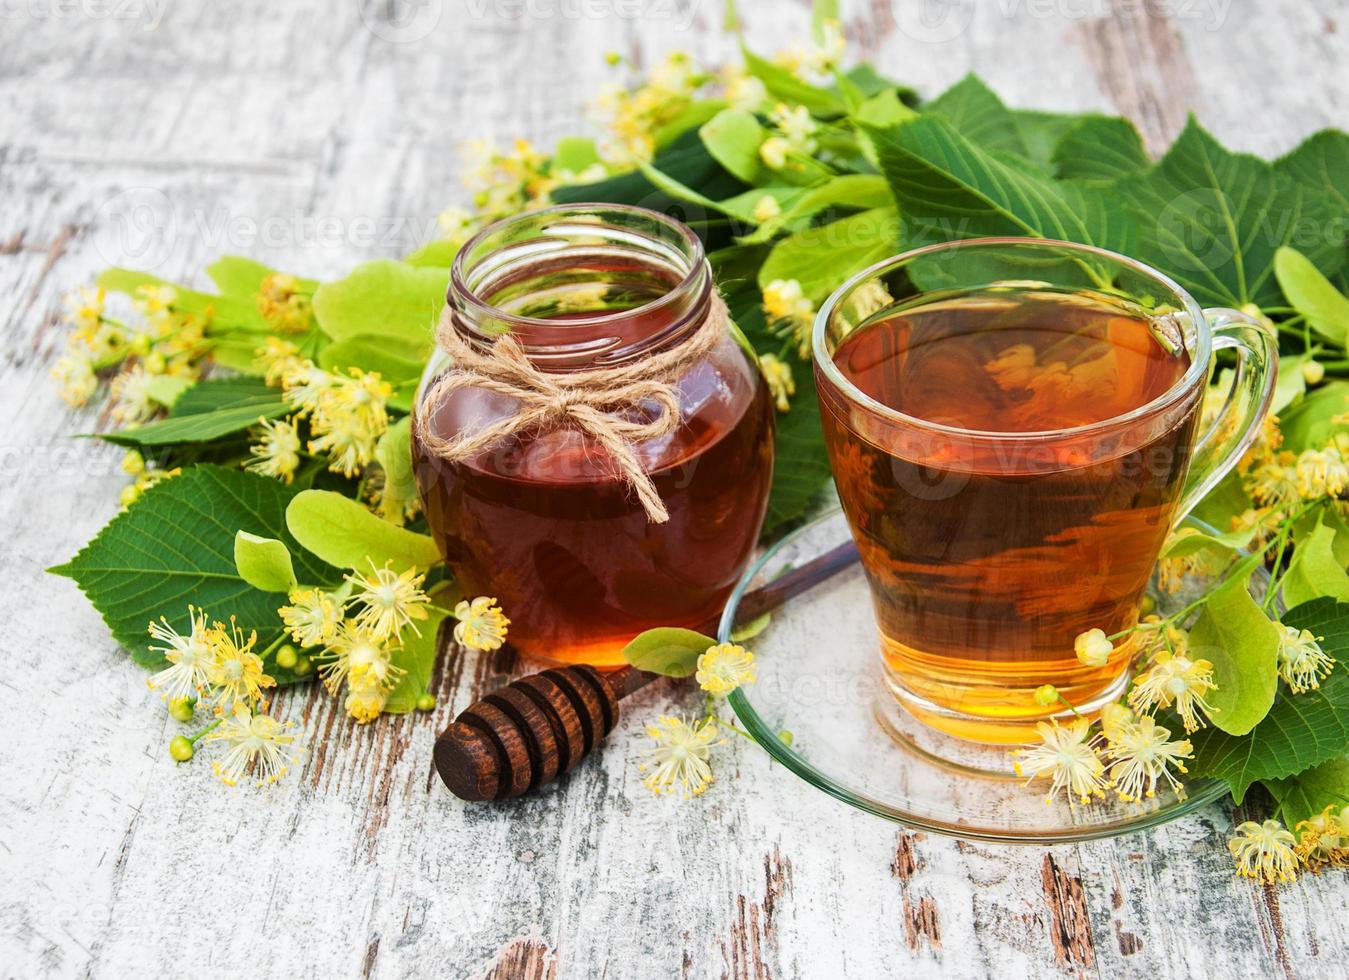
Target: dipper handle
{"points": [[534, 729]]}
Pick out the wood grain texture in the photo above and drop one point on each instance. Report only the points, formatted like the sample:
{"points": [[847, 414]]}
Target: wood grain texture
{"points": [[313, 135]]}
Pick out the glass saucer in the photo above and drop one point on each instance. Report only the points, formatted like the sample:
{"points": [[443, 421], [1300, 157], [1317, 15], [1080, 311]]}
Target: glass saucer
{"points": [[819, 678]]}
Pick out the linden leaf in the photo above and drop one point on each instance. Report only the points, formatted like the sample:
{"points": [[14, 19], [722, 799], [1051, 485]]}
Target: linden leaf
{"points": [[979, 115], [1320, 162], [733, 136], [667, 650], [394, 453], [372, 352], [1310, 423], [206, 411], [948, 187], [345, 534], [1315, 571], [175, 546], [1305, 795], [1325, 308], [1234, 634], [393, 300], [1301, 730], [1101, 148], [821, 258], [263, 563], [1213, 219], [416, 654]]}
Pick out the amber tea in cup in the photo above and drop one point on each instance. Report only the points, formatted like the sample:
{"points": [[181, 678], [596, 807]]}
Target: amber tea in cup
{"points": [[1011, 426]]}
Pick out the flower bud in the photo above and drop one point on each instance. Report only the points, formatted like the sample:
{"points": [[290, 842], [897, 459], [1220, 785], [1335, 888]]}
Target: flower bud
{"points": [[182, 709], [287, 657], [180, 749], [1046, 695], [426, 702], [1092, 648], [1313, 372], [1114, 717]]}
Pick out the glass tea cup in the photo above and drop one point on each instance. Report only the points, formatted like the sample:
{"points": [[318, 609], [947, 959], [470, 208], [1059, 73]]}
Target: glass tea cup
{"points": [[1014, 427]]}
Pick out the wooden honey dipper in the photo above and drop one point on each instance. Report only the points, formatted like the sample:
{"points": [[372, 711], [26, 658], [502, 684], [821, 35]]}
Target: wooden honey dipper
{"points": [[532, 730]]}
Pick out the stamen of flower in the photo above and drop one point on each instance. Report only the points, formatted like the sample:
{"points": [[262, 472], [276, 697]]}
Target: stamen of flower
{"points": [[1067, 756], [236, 671], [482, 624], [723, 668], [257, 741], [1142, 753], [1175, 679], [190, 657], [1302, 662], [1264, 851], [390, 600], [678, 761], [312, 617]]}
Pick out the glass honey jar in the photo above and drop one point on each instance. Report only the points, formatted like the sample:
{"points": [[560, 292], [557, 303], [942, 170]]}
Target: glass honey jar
{"points": [[543, 518]]}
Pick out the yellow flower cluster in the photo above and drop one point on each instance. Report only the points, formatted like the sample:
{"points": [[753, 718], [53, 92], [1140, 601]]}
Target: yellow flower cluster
{"points": [[1269, 853], [215, 664], [283, 305], [633, 117], [164, 341], [789, 312], [1278, 479], [778, 374], [793, 136], [358, 630], [346, 414]]}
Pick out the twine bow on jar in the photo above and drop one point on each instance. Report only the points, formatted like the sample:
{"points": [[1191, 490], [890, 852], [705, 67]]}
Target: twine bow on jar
{"points": [[601, 402]]}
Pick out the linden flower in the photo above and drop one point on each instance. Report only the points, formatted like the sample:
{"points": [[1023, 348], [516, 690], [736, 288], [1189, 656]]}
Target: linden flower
{"points": [[312, 617], [1275, 483], [723, 668], [1264, 851], [1321, 840], [766, 208], [236, 671], [1321, 474], [75, 374], [1093, 648], [1302, 662], [1115, 720], [679, 759], [153, 300], [743, 90], [482, 624], [1068, 757], [346, 440], [773, 152], [365, 702], [355, 651], [259, 742], [778, 374], [391, 600], [796, 126], [277, 357], [282, 305], [84, 308], [304, 384], [131, 393], [1141, 754], [1175, 678], [278, 454], [789, 311], [190, 657]]}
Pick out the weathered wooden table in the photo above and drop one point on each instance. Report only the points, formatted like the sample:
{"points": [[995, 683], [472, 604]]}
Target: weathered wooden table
{"points": [[313, 135]]}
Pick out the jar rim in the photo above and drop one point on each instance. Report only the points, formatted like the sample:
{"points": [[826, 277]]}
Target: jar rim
{"points": [[695, 255]]}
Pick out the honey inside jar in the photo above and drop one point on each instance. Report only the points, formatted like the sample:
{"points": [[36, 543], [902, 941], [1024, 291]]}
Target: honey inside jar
{"points": [[543, 520]]}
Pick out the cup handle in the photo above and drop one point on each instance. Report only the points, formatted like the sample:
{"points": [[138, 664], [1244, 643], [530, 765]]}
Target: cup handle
{"points": [[1238, 423]]}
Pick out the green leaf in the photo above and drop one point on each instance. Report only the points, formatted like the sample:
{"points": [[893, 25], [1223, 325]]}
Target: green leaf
{"points": [[574, 154], [206, 411], [860, 191], [821, 258], [435, 255], [1041, 132], [1236, 636], [168, 388], [786, 87], [733, 137], [669, 651], [1308, 424], [417, 655], [343, 533], [800, 466], [979, 115], [394, 453], [1301, 730], [948, 188], [1320, 162], [1314, 570], [235, 275], [1311, 294], [1100, 148], [372, 352], [263, 563], [1213, 220], [1305, 795], [393, 300], [175, 546]]}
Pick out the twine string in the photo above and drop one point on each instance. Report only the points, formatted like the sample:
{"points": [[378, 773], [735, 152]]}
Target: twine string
{"points": [[600, 402]]}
